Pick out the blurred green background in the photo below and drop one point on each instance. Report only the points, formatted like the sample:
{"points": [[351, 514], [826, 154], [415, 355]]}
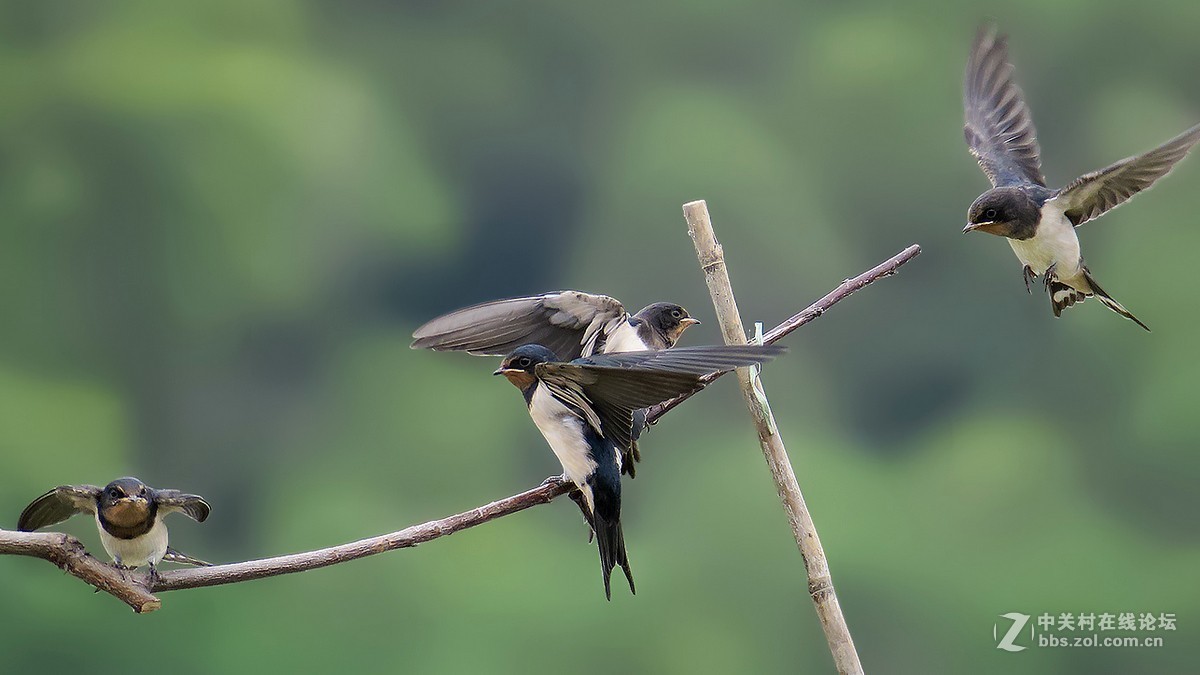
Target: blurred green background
{"points": [[222, 220]]}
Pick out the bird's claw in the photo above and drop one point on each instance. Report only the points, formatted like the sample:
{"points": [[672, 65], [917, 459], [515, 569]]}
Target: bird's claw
{"points": [[122, 570], [1049, 277], [1029, 275], [577, 497]]}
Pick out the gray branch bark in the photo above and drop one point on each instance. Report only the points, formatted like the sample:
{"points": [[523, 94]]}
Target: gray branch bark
{"points": [[135, 588], [820, 582]]}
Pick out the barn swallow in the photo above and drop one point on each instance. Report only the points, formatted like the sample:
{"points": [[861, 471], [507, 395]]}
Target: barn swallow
{"points": [[1038, 222], [129, 515], [569, 323], [572, 324], [585, 408]]}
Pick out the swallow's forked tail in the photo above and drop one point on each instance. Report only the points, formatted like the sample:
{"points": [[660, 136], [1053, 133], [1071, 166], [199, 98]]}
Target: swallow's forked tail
{"points": [[606, 521], [183, 559], [611, 542], [1063, 296]]}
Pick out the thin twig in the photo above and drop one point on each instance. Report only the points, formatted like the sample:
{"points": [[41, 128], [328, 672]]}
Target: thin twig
{"points": [[135, 588], [844, 290], [820, 583]]}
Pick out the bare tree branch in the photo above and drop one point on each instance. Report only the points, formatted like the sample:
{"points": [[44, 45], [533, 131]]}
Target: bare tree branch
{"points": [[68, 553], [216, 575], [847, 288], [135, 588]]}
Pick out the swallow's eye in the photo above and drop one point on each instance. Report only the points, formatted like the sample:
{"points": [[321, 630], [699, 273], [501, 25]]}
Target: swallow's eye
{"points": [[114, 493], [676, 314], [990, 214], [524, 362]]}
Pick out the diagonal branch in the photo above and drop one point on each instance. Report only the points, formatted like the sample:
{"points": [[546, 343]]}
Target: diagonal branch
{"points": [[135, 588], [844, 290]]}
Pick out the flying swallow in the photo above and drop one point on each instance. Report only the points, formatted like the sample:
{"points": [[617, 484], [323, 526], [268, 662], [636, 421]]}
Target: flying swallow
{"points": [[1038, 222], [572, 324], [585, 410], [129, 515]]}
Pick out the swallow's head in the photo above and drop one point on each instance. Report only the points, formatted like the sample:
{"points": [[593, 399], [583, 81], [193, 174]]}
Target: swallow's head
{"points": [[126, 502], [519, 366], [668, 319], [1004, 212]]}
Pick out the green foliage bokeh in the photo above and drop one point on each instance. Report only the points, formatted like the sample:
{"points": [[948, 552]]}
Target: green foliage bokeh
{"points": [[221, 221]]}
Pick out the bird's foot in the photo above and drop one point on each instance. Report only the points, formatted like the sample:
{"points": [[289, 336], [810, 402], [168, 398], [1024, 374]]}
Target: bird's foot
{"points": [[1049, 276], [1050, 279], [577, 497], [557, 480], [1029, 275], [153, 577], [123, 570]]}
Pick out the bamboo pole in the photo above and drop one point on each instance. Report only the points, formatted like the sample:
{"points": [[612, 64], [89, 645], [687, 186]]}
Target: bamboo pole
{"points": [[820, 584]]}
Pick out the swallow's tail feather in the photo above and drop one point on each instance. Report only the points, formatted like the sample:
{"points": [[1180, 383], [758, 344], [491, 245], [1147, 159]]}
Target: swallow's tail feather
{"points": [[183, 559], [611, 542], [1108, 301], [610, 539], [1082, 287], [1063, 295]]}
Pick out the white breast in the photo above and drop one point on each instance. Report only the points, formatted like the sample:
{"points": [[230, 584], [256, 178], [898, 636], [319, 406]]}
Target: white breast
{"points": [[1054, 244], [148, 548], [564, 432], [624, 338]]}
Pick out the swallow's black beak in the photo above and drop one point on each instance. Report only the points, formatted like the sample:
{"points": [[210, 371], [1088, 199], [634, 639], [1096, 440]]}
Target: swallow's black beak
{"points": [[971, 227], [689, 321], [504, 371]]}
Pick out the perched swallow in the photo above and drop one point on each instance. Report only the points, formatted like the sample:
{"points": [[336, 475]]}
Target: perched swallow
{"points": [[1038, 222], [129, 515], [572, 324], [585, 409]]}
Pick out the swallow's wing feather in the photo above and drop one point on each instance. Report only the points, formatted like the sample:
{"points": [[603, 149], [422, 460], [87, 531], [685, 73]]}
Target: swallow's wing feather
{"points": [[192, 506], [1092, 194], [694, 360], [569, 323], [57, 505], [606, 398], [999, 129], [611, 387]]}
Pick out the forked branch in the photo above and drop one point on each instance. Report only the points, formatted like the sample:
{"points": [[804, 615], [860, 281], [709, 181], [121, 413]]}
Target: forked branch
{"points": [[136, 589]]}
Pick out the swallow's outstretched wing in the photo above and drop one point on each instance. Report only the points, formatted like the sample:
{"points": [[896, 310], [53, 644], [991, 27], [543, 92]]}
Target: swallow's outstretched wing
{"points": [[1092, 194], [608, 388], [569, 323], [57, 505], [192, 506], [999, 129]]}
